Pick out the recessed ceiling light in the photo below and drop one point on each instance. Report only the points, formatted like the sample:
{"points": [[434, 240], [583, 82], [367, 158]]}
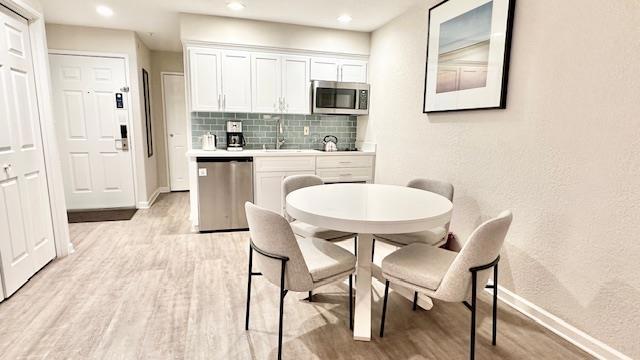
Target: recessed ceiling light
{"points": [[345, 19], [235, 6], [104, 10]]}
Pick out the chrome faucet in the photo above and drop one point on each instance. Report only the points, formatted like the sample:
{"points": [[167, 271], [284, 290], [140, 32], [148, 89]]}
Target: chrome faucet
{"points": [[279, 130]]}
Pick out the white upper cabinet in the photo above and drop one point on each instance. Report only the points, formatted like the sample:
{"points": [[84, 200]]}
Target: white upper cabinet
{"points": [[331, 69], [325, 69], [205, 79], [261, 82], [266, 81], [353, 71], [236, 81], [296, 86]]}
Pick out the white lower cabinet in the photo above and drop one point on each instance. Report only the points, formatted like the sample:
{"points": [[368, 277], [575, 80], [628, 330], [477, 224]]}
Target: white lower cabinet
{"points": [[270, 171], [268, 188]]}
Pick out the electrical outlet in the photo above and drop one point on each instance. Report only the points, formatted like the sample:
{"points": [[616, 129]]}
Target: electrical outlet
{"points": [[306, 130]]}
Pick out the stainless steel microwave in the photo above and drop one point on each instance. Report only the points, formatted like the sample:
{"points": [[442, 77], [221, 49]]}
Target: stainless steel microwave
{"points": [[335, 97]]}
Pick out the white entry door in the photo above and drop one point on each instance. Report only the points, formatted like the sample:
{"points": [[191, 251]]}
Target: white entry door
{"points": [[92, 124], [26, 230], [175, 115]]}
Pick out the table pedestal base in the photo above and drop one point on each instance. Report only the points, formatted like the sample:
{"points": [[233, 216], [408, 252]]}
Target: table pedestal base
{"points": [[362, 314]]}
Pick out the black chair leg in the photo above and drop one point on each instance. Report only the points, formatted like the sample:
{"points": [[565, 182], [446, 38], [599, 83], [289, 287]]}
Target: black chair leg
{"points": [[351, 302], [415, 300], [495, 304], [384, 307], [355, 246], [246, 321], [282, 294], [310, 296], [472, 341], [373, 249]]}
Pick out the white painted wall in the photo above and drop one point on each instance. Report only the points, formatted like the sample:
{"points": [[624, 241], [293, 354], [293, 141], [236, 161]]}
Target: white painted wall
{"points": [[78, 38], [270, 34], [564, 155]]}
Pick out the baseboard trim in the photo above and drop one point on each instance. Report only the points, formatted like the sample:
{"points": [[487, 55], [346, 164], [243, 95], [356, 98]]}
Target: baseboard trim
{"points": [[153, 198], [558, 326]]}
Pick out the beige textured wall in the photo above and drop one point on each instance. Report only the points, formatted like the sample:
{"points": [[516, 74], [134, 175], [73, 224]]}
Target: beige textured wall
{"points": [[79, 38], [143, 61], [162, 61], [279, 35], [564, 155]]}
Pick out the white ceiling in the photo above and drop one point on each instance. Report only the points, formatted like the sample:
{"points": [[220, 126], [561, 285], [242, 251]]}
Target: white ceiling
{"points": [[156, 21]]}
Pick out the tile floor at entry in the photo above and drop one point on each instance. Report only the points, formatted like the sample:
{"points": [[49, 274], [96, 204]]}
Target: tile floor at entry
{"points": [[150, 289]]}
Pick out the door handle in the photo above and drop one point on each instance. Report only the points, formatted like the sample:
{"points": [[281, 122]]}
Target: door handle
{"points": [[170, 135], [124, 139]]}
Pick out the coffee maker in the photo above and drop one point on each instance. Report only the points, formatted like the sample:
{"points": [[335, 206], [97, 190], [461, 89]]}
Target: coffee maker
{"points": [[235, 139]]}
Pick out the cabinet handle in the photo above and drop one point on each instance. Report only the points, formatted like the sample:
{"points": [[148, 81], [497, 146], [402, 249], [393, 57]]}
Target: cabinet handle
{"points": [[346, 174], [224, 101], [345, 162], [219, 102]]}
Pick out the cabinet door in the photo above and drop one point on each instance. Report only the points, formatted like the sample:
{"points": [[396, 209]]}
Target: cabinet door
{"points": [[324, 69], [296, 87], [268, 190], [266, 82], [205, 79], [236, 81], [353, 71]]}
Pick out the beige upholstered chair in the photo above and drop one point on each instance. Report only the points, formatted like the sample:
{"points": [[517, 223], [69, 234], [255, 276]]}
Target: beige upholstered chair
{"points": [[433, 237], [292, 262], [450, 276], [295, 182]]}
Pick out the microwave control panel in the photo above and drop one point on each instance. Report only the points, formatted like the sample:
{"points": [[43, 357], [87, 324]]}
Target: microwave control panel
{"points": [[363, 100]]}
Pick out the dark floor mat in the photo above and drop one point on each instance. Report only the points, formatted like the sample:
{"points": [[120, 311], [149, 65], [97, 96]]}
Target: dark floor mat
{"points": [[100, 215]]}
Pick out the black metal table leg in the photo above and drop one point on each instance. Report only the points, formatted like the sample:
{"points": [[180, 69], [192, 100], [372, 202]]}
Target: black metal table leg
{"points": [[351, 301]]}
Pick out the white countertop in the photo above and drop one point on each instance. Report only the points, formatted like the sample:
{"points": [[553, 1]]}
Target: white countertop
{"points": [[195, 153]]}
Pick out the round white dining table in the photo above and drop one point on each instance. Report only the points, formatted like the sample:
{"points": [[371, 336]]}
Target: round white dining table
{"points": [[368, 209]]}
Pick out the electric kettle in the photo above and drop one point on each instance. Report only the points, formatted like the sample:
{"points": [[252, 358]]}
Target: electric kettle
{"points": [[330, 143], [209, 142]]}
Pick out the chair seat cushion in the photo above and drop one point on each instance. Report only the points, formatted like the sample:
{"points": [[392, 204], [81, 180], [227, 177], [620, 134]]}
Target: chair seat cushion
{"points": [[325, 259], [311, 231], [433, 237], [419, 264]]}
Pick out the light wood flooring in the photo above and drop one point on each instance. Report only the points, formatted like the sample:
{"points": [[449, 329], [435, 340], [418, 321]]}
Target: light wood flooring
{"points": [[149, 289]]}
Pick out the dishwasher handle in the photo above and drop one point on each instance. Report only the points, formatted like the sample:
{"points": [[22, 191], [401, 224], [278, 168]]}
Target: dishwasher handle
{"points": [[224, 159]]}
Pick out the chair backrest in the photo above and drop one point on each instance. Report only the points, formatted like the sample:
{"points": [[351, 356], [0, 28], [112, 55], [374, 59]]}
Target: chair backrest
{"points": [[435, 186], [482, 247], [272, 233], [295, 182]]}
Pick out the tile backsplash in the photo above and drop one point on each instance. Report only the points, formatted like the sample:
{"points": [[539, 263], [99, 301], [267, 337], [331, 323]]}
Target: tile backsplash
{"points": [[259, 130]]}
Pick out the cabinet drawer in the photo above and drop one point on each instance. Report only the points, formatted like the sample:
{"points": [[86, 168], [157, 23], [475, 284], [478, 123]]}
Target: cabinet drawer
{"points": [[345, 174], [325, 162], [285, 163]]}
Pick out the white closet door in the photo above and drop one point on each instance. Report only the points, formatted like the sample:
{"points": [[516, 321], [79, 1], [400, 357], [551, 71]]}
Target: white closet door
{"points": [[266, 83], [175, 118], [236, 81], [324, 69], [26, 231], [205, 79], [296, 86], [98, 172], [353, 71]]}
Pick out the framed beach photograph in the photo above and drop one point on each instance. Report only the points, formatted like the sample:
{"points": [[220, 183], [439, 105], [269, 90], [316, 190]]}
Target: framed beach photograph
{"points": [[468, 55]]}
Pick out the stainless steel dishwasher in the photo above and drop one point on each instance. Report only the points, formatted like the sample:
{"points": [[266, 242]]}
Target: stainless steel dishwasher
{"points": [[224, 185]]}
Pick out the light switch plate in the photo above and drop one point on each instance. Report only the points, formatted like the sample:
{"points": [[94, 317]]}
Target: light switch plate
{"points": [[306, 130], [202, 172]]}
